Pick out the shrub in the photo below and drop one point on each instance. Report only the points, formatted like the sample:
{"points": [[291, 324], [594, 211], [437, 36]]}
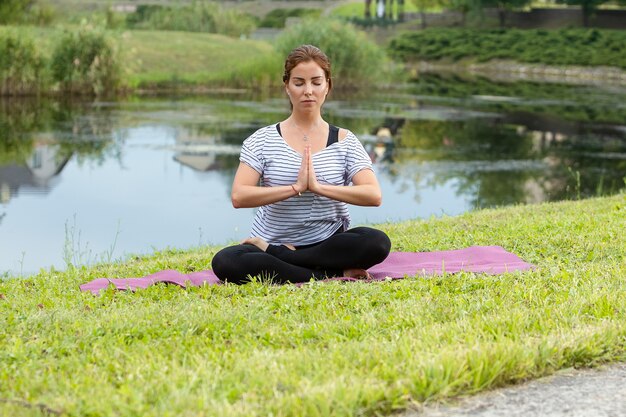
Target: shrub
{"points": [[355, 59], [200, 16], [557, 47], [87, 61], [21, 65], [277, 17]]}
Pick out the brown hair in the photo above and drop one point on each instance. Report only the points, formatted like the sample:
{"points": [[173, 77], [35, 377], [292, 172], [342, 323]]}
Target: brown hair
{"points": [[306, 53]]}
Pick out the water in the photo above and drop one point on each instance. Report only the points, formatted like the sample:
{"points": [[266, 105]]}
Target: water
{"points": [[89, 182]]}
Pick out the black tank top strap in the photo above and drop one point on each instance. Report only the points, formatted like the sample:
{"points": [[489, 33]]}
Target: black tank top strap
{"points": [[333, 135]]}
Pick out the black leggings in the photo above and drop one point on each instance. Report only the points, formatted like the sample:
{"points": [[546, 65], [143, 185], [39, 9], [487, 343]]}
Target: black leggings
{"points": [[361, 247]]}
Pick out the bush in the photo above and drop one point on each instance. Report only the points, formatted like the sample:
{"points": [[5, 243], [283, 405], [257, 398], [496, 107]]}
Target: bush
{"points": [[277, 17], [200, 16], [87, 61], [21, 65], [356, 61], [557, 47]]}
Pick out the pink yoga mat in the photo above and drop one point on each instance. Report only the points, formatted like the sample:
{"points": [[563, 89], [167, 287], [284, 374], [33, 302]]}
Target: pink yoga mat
{"points": [[484, 259]]}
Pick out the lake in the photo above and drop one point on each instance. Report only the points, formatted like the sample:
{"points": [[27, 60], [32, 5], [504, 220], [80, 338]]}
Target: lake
{"points": [[85, 182]]}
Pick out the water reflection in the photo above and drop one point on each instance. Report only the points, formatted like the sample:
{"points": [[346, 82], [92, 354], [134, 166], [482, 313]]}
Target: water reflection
{"points": [[84, 182]]}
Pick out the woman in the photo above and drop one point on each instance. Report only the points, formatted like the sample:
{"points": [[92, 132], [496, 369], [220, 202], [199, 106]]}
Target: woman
{"points": [[298, 172]]}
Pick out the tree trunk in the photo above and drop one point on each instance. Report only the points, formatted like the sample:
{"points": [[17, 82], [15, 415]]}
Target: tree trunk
{"points": [[400, 10], [586, 9], [368, 9], [389, 9], [502, 16], [423, 17]]}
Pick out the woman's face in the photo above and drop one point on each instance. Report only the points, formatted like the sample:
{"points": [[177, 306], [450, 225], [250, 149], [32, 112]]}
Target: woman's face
{"points": [[307, 86]]}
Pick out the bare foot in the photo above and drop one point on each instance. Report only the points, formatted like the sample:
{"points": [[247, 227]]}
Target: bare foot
{"points": [[256, 241], [356, 273]]}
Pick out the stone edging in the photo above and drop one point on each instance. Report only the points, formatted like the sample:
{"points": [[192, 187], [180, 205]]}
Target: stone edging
{"points": [[517, 71]]}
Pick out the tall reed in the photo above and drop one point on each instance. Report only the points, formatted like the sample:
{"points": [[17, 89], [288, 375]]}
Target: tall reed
{"points": [[22, 65], [87, 61]]}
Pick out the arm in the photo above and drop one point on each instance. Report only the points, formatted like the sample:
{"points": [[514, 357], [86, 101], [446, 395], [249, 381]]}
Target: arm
{"points": [[247, 193]]}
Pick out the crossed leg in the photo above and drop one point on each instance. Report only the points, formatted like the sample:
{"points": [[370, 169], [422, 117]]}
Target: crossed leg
{"points": [[355, 249]]}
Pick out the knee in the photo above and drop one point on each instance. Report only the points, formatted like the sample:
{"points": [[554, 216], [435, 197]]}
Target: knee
{"points": [[379, 245], [225, 265], [220, 264]]}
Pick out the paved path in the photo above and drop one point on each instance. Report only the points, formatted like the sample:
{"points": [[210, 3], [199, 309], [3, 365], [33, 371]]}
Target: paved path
{"points": [[573, 393]]}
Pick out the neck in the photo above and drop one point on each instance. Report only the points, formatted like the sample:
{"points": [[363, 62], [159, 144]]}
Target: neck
{"points": [[307, 121]]}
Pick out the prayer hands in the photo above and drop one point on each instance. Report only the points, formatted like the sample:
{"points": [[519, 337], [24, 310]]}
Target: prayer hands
{"points": [[306, 176]]}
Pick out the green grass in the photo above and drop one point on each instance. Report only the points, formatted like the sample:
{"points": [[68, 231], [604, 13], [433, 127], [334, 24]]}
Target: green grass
{"points": [[157, 59], [327, 348], [161, 57], [357, 9]]}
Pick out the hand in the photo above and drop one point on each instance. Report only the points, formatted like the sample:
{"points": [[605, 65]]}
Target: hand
{"points": [[256, 241], [302, 182], [312, 178]]}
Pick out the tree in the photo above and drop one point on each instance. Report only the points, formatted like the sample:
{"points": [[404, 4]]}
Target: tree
{"points": [[12, 11], [401, 10], [504, 6], [461, 6], [423, 5], [587, 7]]}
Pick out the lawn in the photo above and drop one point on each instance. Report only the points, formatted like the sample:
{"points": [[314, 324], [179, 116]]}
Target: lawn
{"points": [[161, 56], [157, 59], [323, 349]]}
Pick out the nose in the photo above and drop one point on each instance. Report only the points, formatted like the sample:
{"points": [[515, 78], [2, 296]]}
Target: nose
{"points": [[309, 90]]}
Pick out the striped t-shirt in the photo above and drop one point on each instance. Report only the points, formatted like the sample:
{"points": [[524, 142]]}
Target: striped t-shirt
{"points": [[308, 218]]}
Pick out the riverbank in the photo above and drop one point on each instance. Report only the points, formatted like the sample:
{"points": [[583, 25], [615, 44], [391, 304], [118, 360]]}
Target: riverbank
{"points": [[583, 55], [327, 348], [151, 61], [512, 71]]}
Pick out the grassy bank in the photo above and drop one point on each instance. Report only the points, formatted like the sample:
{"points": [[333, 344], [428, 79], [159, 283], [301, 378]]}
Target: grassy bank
{"points": [[166, 59], [325, 348], [162, 59]]}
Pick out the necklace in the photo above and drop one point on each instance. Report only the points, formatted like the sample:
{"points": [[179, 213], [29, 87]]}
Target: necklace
{"points": [[305, 136]]}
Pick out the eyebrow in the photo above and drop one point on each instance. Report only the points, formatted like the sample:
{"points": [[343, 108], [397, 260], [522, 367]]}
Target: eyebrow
{"points": [[313, 78]]}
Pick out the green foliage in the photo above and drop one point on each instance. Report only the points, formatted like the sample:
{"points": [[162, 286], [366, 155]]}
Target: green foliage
{"points": [[87, 61], [356, 61], [31, 12], [592, 47], [22, 66], [200, 16], [13, 11], [277, 17]]}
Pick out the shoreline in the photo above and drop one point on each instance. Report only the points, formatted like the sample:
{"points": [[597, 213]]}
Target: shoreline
{"points": [[512, 71]]}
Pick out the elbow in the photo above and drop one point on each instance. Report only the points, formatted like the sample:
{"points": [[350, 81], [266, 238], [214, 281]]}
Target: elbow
{"points": [[377, 200], [235, 199]]}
